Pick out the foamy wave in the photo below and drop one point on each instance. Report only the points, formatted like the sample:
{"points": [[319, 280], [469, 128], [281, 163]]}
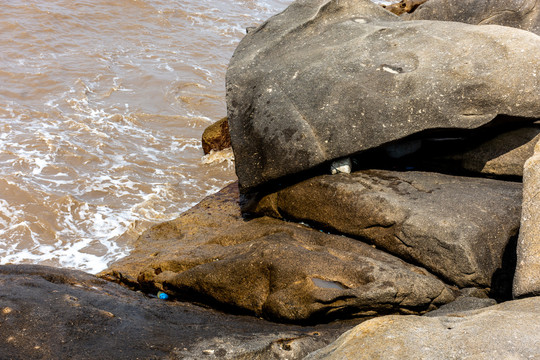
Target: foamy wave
{"points": [[218, 157], [100, 137], [85, 188]]}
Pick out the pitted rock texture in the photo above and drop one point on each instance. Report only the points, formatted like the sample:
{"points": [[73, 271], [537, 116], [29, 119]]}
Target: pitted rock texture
{"points": [[504, 331], [458, 228], [521, 14], [325, 79], [274, 269], [50, 313]]}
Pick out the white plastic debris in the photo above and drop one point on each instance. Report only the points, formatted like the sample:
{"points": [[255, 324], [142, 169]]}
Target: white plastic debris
{"points": [[343, 165]]}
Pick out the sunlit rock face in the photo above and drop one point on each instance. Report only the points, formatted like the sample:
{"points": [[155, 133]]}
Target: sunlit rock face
{"points": [[327, 79]]}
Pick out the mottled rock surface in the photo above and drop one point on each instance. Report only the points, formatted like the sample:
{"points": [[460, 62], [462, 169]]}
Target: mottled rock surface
{"points": [[521, 14], [216, 137], [274, 269], [325, 79], [504, 331], [49, 313], [461, 304], [527, 276], [459, 228]]}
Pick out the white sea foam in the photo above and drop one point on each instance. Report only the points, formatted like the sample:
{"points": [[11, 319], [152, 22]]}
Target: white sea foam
{"points": [[80, 220], [217, 157], [100, 138]]}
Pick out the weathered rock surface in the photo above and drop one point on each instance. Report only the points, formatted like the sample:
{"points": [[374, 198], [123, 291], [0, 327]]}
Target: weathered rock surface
{"points": [[48, 313], [456, 227], [274, 269], [325, 79], [461, 304], [527, 275], [216, 137], [504, 331], [502, 155], [521, 14]]}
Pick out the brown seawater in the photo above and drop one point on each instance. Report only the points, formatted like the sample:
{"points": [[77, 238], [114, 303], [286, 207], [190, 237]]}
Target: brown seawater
{"points": [[102, 106]]}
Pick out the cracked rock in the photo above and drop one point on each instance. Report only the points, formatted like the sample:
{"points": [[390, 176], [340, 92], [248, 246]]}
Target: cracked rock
{"points": [[461, 229], [273, 269]]}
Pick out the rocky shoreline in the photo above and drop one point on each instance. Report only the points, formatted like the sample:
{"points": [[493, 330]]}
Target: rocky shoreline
{"points": [[51, 313], [421, 245]]}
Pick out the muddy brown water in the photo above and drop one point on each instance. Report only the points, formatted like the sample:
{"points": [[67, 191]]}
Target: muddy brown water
{"points": [[102, 106]]}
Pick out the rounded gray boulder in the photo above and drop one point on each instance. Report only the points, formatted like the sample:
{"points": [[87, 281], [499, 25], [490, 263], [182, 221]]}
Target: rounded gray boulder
{"points": [[326, 79]]}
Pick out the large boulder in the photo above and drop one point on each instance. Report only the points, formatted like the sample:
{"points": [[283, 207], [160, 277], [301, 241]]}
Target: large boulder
{"points": [[521, 14], [48, 313], [504, 331], [325, 79], [274, 269], [458, 228]]}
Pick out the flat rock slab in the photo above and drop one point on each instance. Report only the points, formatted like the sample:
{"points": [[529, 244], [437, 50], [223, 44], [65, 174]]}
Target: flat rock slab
{"points": [[273, 269], [326, 79], [458, 228], [49, 313], [504, 331], [521, 14]]}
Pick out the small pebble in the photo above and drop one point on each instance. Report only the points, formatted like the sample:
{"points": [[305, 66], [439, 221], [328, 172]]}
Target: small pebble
{"points": [[343, 165], [6, 310], [208, 352], [106, 313]]}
